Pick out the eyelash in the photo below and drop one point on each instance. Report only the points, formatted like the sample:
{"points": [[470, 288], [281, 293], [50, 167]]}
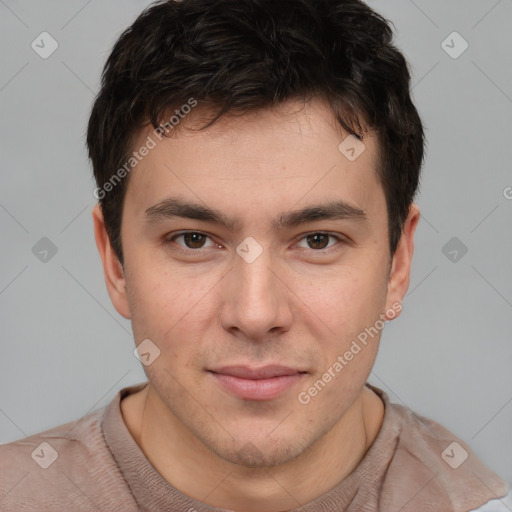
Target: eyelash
{"points": [[201, 249]]}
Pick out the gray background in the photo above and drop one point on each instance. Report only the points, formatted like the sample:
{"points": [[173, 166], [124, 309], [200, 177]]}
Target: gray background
{"points": [[64, 349]]}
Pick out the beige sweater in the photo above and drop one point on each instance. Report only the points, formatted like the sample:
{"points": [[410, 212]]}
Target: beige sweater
{"points": [[95, 464]]}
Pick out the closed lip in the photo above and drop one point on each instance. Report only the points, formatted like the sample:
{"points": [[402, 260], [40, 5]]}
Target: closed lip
{"points": [[265, 372]]}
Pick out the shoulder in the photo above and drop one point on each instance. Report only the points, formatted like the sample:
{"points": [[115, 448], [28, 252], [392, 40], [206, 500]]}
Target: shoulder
{"points": [[68, 467], [497, 505], [438, 466]]}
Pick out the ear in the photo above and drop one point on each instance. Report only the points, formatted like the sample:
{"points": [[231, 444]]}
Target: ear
{"points": [[399, 276], [112, 268]]}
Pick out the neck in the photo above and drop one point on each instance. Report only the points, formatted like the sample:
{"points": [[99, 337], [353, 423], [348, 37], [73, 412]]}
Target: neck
{"points": [[186, 463]]}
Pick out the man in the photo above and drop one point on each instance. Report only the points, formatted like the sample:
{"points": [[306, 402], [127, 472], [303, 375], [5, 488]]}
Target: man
{"points": [[256, 164]]}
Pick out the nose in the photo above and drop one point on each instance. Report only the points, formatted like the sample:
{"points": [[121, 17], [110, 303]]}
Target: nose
{"points": [[257, 299]]}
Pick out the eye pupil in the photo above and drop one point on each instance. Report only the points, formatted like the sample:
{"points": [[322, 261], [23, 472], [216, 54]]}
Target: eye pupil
{"points": [[192, 238], [316, 238]]}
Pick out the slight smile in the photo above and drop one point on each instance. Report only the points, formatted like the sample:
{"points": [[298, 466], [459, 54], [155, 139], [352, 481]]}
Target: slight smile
{"points": [[263, 383]]}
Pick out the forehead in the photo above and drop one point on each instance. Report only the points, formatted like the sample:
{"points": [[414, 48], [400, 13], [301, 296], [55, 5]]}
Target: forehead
{"points": [[296, 151]]}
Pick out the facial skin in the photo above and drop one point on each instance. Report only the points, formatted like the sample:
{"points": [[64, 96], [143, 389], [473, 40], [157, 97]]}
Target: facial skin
{"points": [[300, 303]]}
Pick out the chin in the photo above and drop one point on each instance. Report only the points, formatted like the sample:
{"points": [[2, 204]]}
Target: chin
{"points": [[260, 454]]}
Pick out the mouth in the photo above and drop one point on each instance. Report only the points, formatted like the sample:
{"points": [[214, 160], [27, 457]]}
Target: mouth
{"points": [[265, 383]]}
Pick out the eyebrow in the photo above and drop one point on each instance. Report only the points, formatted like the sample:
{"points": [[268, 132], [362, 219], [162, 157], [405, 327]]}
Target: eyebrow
{"points": [[332, 210]]}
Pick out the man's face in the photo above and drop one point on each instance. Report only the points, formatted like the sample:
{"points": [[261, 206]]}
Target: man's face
{"points": [[259, 293]]}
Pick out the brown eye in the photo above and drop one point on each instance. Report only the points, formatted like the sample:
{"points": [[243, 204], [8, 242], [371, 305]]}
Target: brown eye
{"points": [[194, 240], [319, 241], [191, 240]]}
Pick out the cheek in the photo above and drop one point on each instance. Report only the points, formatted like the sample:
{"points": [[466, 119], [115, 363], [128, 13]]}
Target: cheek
{"points": [[346, 301], [348, 309], [170, 309], [156, 302]]}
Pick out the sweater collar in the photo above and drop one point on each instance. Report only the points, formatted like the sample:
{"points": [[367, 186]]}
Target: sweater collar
{"points": [[403, 457]]}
